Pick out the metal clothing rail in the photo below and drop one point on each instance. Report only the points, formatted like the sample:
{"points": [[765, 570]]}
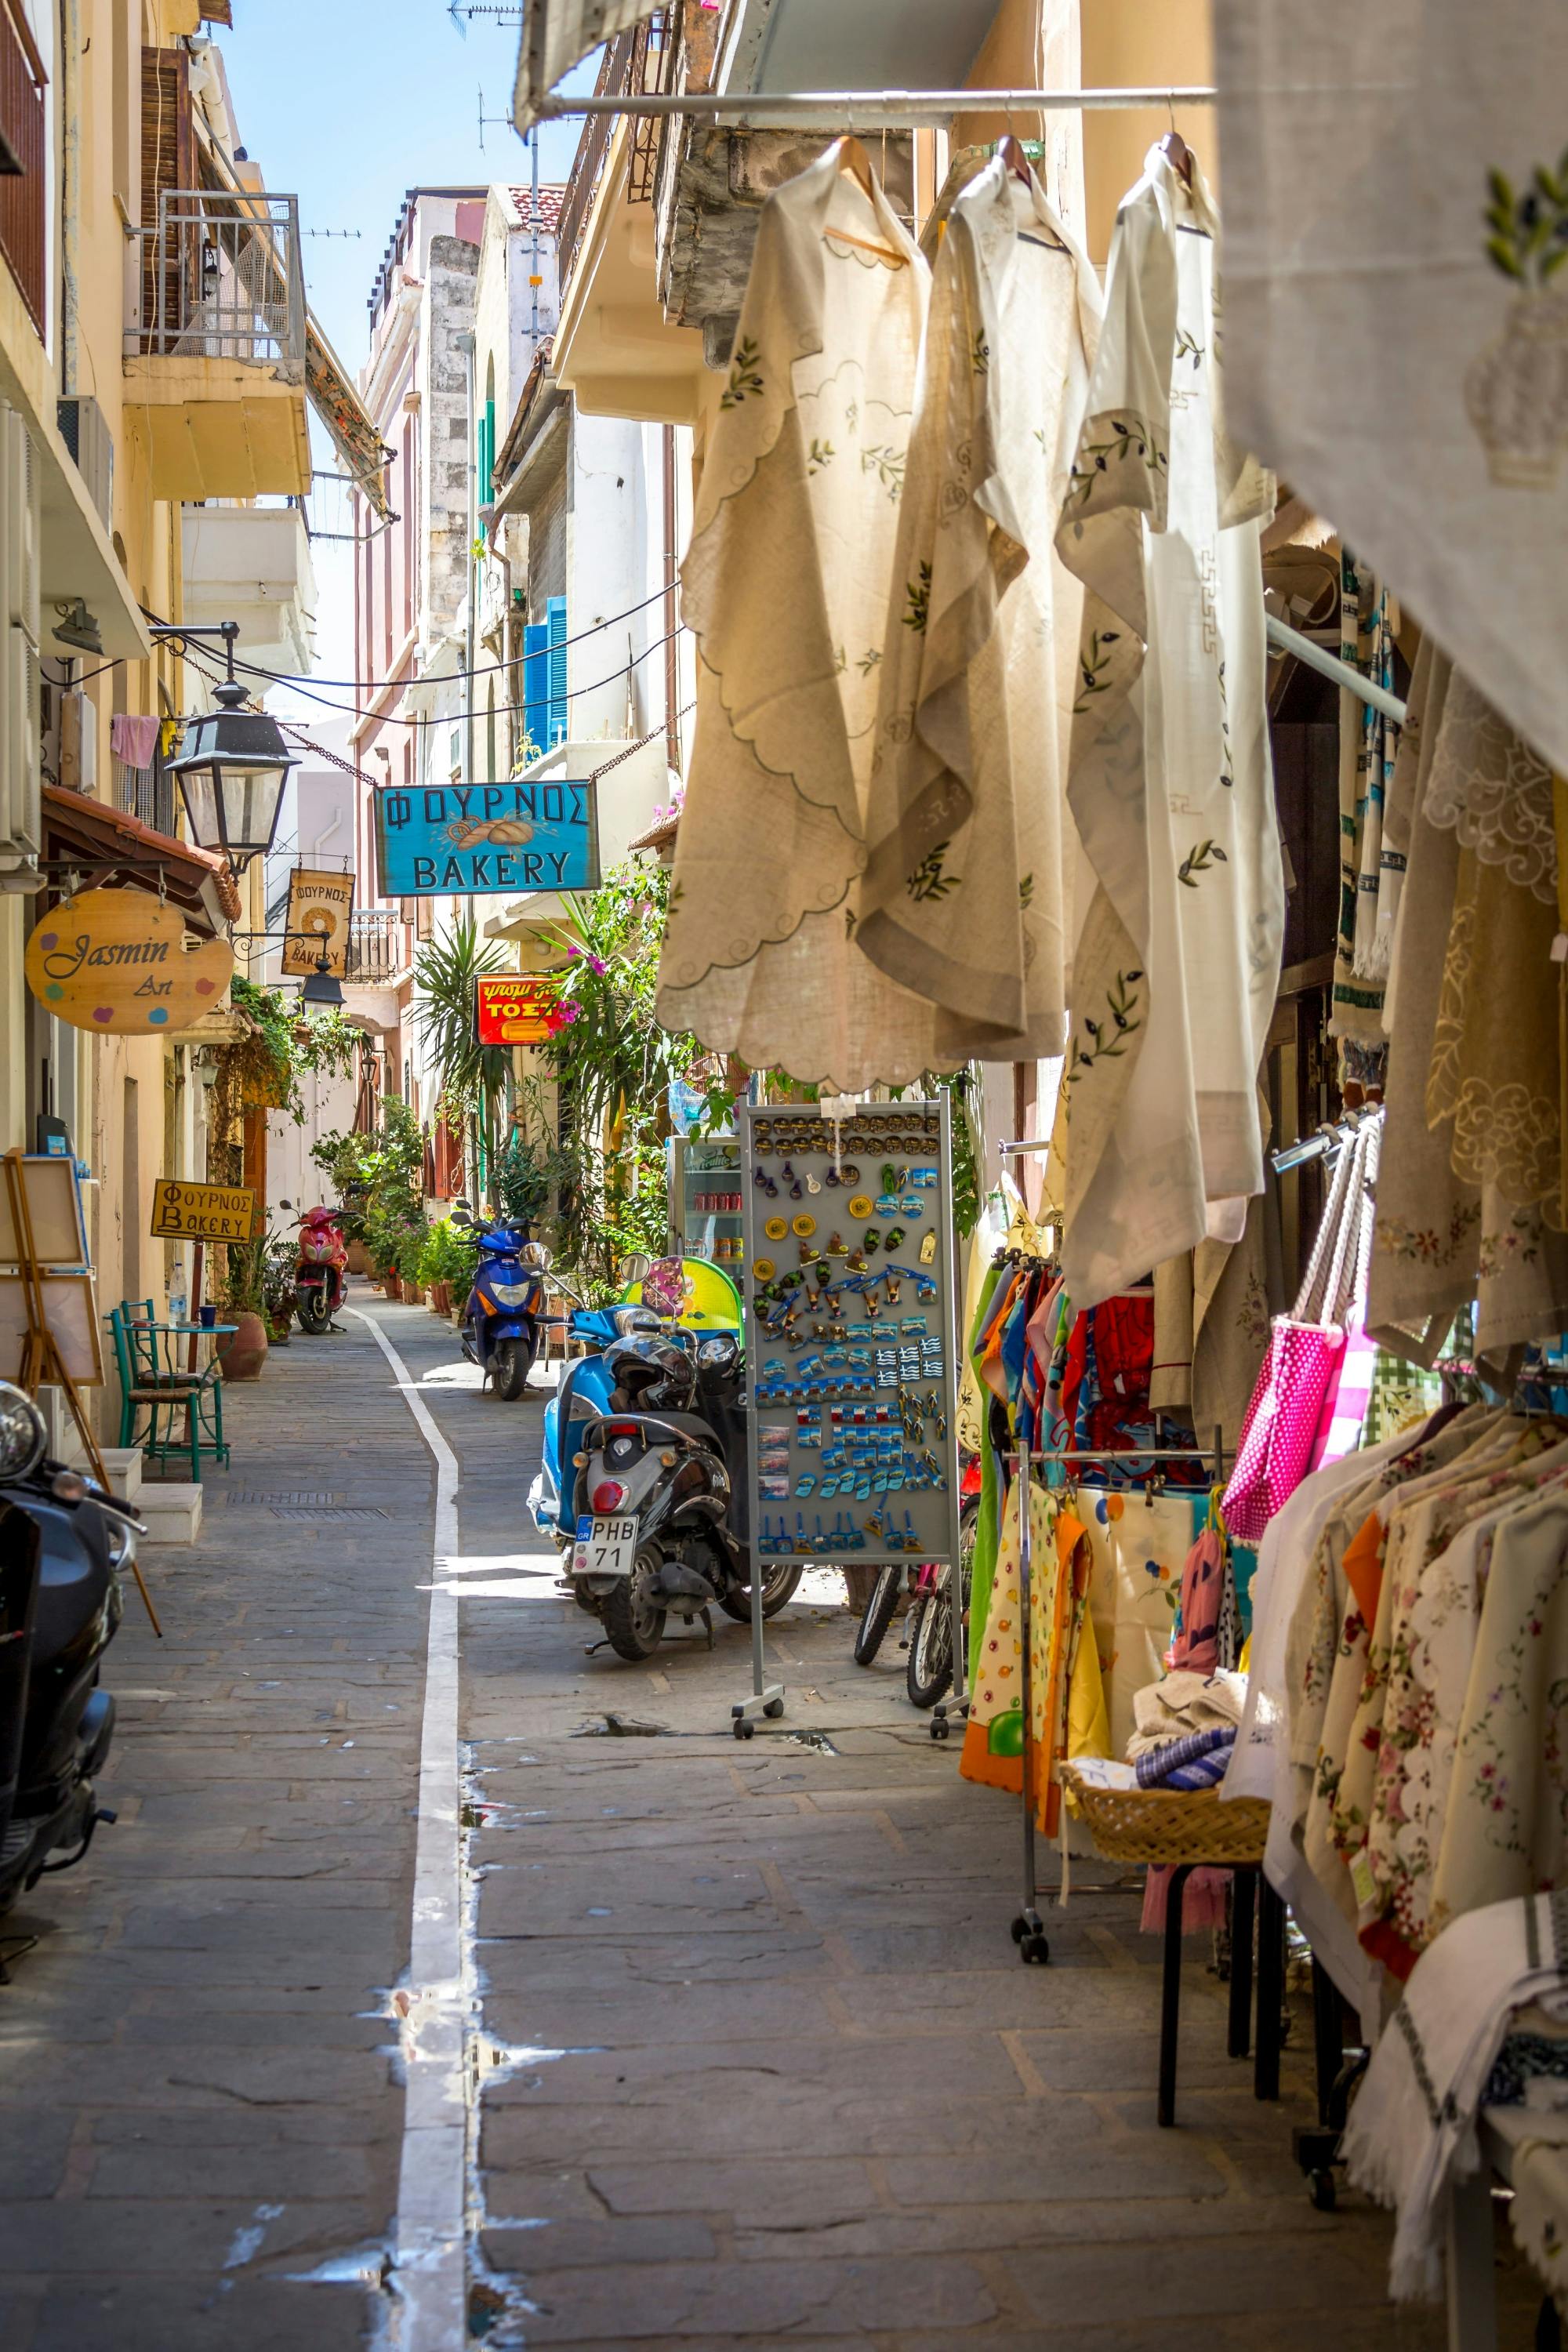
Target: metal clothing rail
{"points": [[873, 109], [1327, 664], [1028, 1930], [1327, 1137]]}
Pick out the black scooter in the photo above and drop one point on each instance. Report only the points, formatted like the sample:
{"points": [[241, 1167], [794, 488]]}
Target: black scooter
{"points": [[661, 1495], [63, 1546]]}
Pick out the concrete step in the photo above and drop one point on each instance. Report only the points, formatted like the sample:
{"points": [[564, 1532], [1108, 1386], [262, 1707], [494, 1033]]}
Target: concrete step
{"points": [[173, 1513], [123, 1463]]}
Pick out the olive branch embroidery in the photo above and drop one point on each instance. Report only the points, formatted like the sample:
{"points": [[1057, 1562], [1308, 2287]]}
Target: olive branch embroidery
{"points": [[867, 661], [746, 376], [820, 454], [927, 880], [889, 464], [1187, 347], [1123, 442], [1226, 762], [1027, 890], [1109, 1037], [980, 353], [1092, 662], [1529, 242], [918, 591], [1198, 861]]}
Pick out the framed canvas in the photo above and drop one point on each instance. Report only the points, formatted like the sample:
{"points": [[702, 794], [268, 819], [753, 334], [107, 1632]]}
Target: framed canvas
{"points": [[54, 1203]]}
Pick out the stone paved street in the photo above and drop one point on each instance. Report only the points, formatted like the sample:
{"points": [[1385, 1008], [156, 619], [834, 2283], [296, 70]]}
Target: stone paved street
{"points": [[756, 2059]]}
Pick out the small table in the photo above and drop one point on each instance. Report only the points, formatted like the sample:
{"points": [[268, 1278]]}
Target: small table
{"points": [[173, 1377]]}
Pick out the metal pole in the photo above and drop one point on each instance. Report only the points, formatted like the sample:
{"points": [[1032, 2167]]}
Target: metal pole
{"points": [[1329, 665], [858, 108]]}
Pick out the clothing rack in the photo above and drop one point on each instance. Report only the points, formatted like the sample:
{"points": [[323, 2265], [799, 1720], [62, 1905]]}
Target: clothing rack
{"points": [[1028, 1930], [875, 109], [1327, 665], [1331, 1137]]}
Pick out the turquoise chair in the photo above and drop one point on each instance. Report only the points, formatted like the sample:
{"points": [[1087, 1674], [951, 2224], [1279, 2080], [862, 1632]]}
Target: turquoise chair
{"points": [[151, 1382]]}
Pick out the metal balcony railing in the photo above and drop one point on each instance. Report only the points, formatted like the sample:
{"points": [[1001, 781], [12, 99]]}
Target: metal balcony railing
{"points": [[221, 278], [377, 947]]}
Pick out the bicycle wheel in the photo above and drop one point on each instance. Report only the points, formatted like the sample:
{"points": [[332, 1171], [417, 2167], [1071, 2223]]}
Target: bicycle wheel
{"points": [[878, 1613], [929, 1671]]}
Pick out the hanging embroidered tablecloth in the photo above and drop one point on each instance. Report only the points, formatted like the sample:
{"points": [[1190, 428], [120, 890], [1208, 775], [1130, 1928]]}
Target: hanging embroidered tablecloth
{"points": [[967, 893], [1396, 306], [785, 587], [1175, 975]]}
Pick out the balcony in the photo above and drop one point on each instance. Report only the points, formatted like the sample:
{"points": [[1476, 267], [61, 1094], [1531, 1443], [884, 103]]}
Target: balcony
{"points": [[214, 357], [252, 564], [377, 949], [22, 156]]}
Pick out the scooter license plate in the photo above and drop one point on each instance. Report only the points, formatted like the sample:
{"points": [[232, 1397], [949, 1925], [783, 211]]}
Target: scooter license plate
{"points": [[604, 1547]]}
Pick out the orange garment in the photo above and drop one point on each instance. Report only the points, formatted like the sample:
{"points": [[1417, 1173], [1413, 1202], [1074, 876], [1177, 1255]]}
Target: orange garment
{"points": [[993, 1740], [1364, 1566]]}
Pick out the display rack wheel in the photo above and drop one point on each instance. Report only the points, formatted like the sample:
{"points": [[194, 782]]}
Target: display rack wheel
{"points": [[1035, 1947], [1324, 2190], [939, 1731], [745, 1728], [775, 1706], [1020, 1929]]}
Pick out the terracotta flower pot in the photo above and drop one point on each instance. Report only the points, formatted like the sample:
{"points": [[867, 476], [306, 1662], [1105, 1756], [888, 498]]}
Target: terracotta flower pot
{"points": [[412, 1296], [441, 1299], [394, 1284], [358, 1262], [243, 1356]]}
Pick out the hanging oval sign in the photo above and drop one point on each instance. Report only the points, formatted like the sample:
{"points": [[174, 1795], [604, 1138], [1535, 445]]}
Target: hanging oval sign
{"points": [[117, 961]]}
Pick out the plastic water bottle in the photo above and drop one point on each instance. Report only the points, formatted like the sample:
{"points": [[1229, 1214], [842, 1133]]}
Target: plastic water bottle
{"points": [[179, 1298]]}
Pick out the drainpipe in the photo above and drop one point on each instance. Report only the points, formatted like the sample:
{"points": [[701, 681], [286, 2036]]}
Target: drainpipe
{"points": [[466, 345], [70, 184], [671, 644]]}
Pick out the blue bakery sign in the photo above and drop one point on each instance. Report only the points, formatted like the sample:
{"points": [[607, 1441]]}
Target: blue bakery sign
{"points": [[455, 839]]}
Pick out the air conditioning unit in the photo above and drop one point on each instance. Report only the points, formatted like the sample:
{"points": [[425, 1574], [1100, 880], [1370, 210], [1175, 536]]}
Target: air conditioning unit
{"points": [[21, 745], [19, 522], [85, 431]]}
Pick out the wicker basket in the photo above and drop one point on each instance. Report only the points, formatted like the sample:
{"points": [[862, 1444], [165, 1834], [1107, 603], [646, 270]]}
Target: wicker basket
{"points": [[1170, 1825]]}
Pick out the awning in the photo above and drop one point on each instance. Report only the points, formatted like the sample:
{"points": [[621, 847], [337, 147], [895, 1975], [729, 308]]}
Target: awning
{"points": [[195, 881], [558, 34], [347, 420]]}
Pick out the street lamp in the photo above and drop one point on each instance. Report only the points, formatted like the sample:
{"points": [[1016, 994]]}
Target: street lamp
{"points": [[233, 764]]}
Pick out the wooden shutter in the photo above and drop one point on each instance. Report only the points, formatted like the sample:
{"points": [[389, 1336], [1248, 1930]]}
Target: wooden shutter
{"points": [[556, 621], [168, 161]]}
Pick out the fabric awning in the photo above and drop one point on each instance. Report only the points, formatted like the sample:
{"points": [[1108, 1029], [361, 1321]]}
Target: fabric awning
{"points": [[558, 34], [346, 418], [195, 881]]}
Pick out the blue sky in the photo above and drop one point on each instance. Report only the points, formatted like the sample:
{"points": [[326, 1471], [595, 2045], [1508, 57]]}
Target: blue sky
{"points": [[347, 108]]}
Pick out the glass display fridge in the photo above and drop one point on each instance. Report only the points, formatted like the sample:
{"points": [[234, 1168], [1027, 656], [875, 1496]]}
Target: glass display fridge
{"points": [[705, 1200]]}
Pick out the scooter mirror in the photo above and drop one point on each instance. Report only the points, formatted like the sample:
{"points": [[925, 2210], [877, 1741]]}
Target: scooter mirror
{"points": [[633, 1266]]}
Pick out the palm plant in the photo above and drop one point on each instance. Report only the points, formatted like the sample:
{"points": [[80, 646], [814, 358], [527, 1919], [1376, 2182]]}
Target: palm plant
{"points": [[472, 1076]]}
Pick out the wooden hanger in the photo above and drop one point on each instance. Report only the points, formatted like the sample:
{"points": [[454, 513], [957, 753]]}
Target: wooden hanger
{"points": [[851, 157], [1010, 151]]}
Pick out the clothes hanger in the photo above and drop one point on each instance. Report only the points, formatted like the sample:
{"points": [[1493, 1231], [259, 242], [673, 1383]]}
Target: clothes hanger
{"points": [[1175, 150], [851, 160]]}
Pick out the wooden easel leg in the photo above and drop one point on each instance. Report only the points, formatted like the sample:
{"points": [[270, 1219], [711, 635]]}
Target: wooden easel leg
{"points": [[79, 1414]]}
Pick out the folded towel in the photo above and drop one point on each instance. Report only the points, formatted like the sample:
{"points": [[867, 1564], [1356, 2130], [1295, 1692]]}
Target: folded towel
{"points": [[1156, 1766]]}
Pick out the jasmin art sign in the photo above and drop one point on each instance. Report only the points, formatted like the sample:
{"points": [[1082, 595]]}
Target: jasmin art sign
{"points": [[122, 964], [439, 841]]}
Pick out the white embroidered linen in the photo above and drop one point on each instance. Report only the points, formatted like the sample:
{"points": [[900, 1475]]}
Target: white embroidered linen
{"points": [[1174, 974], [1396, 306], [785, 585], [963, 895], [1412, 2127]]}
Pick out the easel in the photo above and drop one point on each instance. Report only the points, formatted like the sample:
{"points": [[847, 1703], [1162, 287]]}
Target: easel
{"points": [[41, 1359]]}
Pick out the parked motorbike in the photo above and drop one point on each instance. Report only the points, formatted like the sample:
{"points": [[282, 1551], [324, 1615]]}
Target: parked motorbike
{"points": [[63, 1545], [661, 1494], [501, 1324], [582, 1396], [321, 1278]]}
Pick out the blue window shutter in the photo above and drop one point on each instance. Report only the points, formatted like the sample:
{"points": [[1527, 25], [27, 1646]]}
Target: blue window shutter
{"points": [[536, 684], [558, 704]]}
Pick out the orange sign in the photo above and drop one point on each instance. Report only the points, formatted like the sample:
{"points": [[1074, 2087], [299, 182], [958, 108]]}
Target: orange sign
{"points": [[513, 1008]]}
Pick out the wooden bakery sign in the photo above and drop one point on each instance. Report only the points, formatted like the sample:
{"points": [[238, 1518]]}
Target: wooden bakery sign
{"points": [[122, 964]]}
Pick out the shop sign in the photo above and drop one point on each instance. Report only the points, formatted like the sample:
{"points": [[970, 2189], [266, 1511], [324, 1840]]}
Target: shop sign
{"points": [[487, 839], [202, 1212], [513, 1008], [120, 962], [320, 906]]}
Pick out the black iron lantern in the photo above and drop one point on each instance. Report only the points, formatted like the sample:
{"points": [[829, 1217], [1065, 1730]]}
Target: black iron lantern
{"points": [[323, 986], [232, 766]]}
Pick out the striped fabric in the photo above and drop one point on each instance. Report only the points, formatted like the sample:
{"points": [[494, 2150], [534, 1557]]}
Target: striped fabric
{"points": [[1197, 1762]]}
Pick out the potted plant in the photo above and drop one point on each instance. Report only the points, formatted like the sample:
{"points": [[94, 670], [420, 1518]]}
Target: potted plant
{"points": [[278, 1297], [242, 1352]]}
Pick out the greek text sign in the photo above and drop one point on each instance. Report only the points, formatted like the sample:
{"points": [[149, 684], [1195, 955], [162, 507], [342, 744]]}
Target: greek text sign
{"points": [[120, 962], [320, 906], [510, 1008], [202, 1212], [488, 839]]}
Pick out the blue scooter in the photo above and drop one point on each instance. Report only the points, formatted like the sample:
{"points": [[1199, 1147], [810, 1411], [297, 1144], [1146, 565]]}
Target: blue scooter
{"points": [[501, 1327], [582, 1396]]}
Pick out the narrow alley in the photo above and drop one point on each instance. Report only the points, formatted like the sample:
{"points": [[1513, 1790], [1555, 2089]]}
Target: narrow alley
{"points": [[751, 2057]]}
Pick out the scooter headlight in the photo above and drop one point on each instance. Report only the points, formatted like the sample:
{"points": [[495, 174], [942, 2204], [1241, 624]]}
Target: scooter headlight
{"points": [[23, 1436]]}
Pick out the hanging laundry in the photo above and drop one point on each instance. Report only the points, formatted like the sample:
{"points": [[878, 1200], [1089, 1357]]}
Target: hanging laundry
{"points": [[133, 739], [785, 585], [968, 890], [1394, 307], [1469, 1201], [1174, 974]]}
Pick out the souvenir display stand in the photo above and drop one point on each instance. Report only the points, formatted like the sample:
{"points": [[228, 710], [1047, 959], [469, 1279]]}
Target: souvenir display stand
{"points": [[852, 1342]]}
